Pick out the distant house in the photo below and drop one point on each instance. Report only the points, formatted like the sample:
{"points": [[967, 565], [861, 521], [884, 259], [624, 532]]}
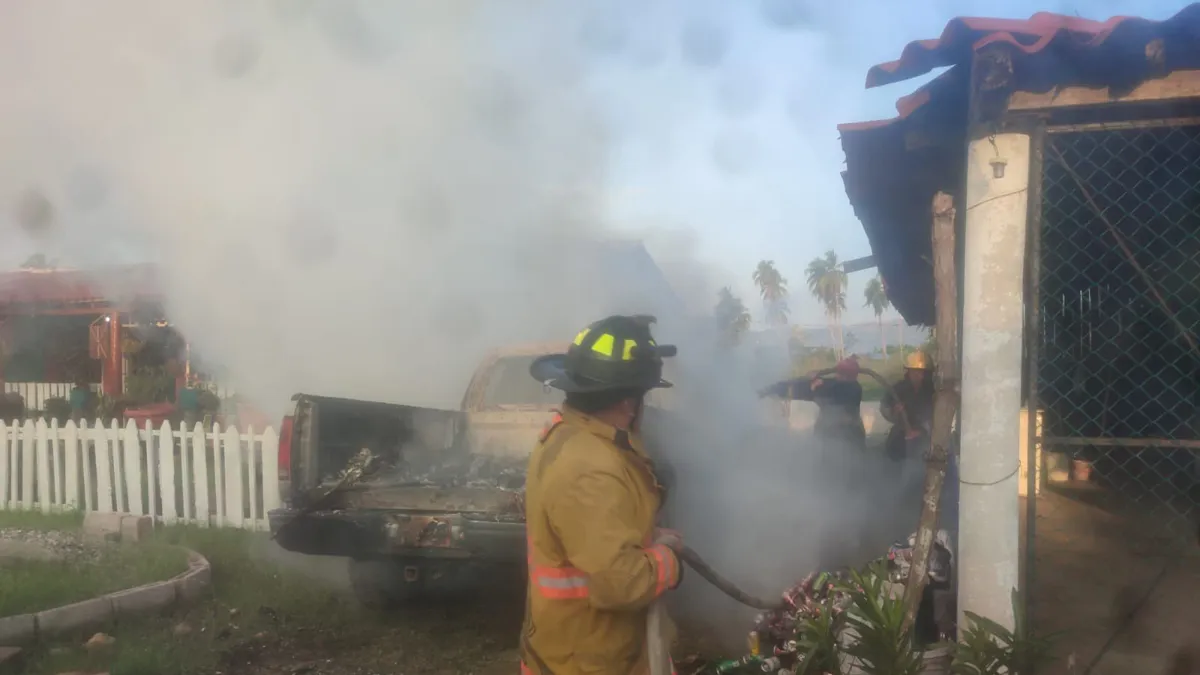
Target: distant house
{"points": [[598, 277], [57, 327], [634, 283]]}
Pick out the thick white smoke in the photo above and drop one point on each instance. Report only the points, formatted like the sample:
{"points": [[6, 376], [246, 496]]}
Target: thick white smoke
{"points": [[360, 198], [356, 198]]}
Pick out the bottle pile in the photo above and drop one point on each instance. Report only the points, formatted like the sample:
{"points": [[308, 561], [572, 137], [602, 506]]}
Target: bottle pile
{"points": [[775, 641], [775, 644]]}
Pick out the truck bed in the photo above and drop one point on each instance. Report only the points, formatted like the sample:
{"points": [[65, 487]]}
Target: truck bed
{"points": [[416, 500]]}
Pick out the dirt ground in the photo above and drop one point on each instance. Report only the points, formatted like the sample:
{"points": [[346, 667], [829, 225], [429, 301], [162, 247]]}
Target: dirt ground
{"points": [[478, 637], [474, 635], [1120, 588]]}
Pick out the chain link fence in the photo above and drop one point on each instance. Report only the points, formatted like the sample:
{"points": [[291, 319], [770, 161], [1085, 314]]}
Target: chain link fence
{"points": [[1117, 370]]}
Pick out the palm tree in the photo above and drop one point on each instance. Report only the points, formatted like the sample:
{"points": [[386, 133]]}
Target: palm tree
{"points": [[773, 287], [827, 283], [731, 314], [877, 300]]}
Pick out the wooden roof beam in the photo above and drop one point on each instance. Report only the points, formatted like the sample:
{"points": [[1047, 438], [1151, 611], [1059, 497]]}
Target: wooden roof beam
{"points": [[1179, 85]]}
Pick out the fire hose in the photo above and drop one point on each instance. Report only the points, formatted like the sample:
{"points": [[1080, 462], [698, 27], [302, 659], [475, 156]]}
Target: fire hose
{"points": [[909, 432], [722, 584], [659, 655]]}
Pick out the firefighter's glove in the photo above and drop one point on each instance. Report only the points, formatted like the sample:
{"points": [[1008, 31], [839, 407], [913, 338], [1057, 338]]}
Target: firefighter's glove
{"points": [[673, 540]]}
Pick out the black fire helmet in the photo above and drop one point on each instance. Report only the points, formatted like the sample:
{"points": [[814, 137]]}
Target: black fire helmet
{"points": [[611, 354]]}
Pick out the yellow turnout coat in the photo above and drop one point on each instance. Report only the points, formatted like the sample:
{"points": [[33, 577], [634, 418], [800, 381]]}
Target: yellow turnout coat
{"points": [[591, 497]]}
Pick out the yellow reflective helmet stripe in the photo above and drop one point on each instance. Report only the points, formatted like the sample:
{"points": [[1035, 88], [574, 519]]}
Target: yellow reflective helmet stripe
{"points": [[604, 345], [627, 352]]}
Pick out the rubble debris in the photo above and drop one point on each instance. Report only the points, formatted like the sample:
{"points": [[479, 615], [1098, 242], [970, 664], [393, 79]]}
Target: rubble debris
{"points": [[941, 560], [483, 487], [99, 640]]}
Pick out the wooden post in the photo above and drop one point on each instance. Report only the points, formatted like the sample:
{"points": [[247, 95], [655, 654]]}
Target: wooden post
{"points": [[945, 402], [112, 365]]}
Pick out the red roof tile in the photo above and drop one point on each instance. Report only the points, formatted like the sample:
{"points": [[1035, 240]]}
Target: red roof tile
{"points": [[964, 35]]}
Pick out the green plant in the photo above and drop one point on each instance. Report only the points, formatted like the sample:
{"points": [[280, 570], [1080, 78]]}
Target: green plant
{"points": [[57, 408], [150, 385], [732, 317], [208, 402], [987, 648], [875, 620], [110, 407], [817, 642]]}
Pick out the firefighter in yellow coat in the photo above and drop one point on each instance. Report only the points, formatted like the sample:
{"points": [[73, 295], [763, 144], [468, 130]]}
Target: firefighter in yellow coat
{"points": [[596, 560]]}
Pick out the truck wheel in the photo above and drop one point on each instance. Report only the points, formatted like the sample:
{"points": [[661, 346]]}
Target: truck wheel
{"points": [[384, 584]]}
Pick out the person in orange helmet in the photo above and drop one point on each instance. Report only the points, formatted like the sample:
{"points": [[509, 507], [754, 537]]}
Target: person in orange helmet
{"points": [[913, 399]]}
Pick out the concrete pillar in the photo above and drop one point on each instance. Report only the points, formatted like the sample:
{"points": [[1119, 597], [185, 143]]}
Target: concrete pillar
{"points": [[992, 332]]}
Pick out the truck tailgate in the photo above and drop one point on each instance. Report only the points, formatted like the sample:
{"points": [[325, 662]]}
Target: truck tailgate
{"points": [[328, 433]]}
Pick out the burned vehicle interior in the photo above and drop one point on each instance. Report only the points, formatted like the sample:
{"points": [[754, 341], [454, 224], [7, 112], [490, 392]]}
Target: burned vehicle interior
{"points": [[366, 455]]}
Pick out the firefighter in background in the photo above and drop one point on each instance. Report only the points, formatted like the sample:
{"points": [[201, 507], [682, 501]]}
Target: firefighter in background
{"points": [[838, 399], [596, 559], [914, 397]]}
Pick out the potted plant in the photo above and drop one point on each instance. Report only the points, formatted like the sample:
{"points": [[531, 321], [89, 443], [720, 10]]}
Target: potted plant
{"points": [[1081, 469], [875, 642], [57, 408], [817, 642], [987, 648]]}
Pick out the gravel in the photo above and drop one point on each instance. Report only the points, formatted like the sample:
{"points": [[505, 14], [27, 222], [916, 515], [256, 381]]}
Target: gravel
{"points": [[45, 545]]}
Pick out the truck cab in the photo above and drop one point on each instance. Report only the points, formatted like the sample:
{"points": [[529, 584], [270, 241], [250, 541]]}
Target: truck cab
{"points": [[504, 406]]}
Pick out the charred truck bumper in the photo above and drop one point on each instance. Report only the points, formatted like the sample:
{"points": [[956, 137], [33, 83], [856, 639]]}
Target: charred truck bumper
{"points": [[384, 533]]}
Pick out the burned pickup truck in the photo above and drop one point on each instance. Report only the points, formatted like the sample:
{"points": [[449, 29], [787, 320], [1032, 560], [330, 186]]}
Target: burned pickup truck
{"points": [[420, 500]]}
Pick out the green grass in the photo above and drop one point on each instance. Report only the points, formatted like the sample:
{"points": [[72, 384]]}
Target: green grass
{"points": [[251, 599], [36, 520], [33, 585]]}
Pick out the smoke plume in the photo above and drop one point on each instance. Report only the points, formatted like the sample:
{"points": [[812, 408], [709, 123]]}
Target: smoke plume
{"points": [[361, 198], [357, 198]]}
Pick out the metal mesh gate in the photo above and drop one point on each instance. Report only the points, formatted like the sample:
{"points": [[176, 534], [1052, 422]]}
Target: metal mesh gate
{"points": [[1117, 374]]}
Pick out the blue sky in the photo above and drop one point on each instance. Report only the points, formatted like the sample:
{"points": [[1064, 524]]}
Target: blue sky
{"points": [[731, 130]]}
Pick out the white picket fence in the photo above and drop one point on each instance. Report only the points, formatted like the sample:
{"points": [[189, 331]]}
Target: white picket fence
{"points": [[205, 476]]}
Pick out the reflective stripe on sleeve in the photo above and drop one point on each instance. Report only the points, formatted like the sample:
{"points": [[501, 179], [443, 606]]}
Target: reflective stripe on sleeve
{"points": [[559, 583]]}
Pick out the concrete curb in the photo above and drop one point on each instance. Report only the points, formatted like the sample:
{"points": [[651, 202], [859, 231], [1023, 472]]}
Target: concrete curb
{"points": [[20, 630]]}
